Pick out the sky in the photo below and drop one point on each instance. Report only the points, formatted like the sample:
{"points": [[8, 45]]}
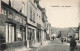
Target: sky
{"points": [[62, 13]]}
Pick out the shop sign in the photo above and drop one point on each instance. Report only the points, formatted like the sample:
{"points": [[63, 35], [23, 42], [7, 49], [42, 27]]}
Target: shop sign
{"points": [[10, 16], [24, 21], [16, 18], [20, 20], [38, 26]]}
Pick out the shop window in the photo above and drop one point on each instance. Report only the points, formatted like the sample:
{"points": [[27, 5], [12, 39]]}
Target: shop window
{"points": [[30, 34], [10, 33], [33, 33], [38, 35], [22, 35], [24, 21]]}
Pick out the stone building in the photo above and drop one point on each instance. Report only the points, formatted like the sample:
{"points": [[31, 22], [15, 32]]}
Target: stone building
{"points": [[12, 28], [48, 31], [44, 19], [31, 21], [40, 24], [79, 31], [36, 20], [22, 24]]}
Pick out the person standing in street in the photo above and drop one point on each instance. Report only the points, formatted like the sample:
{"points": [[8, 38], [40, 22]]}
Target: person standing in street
{"points": [[73, 44], [62, 40]]}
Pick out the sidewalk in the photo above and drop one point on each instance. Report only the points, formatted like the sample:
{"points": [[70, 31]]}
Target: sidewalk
{"points": [[46, 42], [36, 46]]}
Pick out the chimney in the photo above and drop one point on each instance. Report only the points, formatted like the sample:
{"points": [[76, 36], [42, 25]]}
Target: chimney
{"points": [[9, 3], [37, 1]]}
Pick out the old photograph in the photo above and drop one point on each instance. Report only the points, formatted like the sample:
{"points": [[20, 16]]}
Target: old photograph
{"points": [[39, 25]]}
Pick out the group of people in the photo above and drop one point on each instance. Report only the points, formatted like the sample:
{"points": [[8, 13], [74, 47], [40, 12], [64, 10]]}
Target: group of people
{"points": [[73, 44]]}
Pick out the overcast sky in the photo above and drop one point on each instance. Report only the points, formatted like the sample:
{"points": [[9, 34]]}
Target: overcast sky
{"points": [[59, 15]]}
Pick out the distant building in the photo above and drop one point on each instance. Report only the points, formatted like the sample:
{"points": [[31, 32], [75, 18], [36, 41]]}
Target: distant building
{"points": [[44, 19], [40, 24], [79, 31], [48, 31]]}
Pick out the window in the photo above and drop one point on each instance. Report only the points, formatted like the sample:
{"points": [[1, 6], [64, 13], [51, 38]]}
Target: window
{"points": [[33, 34], [23, 31], [33, 17], [22, 35], [10, 33], [30, 34], [30, 13], [10, 15], [3, 12]]}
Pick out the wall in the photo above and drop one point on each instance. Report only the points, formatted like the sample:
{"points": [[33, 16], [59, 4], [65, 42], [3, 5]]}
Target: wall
{"points": [[2, 28], [0, 6], [34, 9], [18, 5]]}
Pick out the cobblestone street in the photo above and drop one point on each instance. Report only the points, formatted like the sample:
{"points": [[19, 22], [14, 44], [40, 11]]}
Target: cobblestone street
{"points": [[54, 45]]}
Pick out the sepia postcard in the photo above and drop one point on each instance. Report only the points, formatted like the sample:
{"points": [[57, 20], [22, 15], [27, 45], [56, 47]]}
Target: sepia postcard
{"points": [[39, 25]]}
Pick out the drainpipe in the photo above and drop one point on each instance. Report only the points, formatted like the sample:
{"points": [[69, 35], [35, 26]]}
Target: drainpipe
{"points": [[0, 6]]}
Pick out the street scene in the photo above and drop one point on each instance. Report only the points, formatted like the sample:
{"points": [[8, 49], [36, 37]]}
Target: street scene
{"points": [[39, 25]]}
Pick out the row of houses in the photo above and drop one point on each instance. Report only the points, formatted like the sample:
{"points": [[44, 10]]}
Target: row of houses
{"points": [[23, 23], [78, 31]]}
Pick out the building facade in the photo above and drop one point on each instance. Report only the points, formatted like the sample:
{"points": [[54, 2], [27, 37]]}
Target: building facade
{"points": [[12, 28], [48, 31], [44, 19], [40, 24], [31, 21], [36, 22], [79, 31], [22, 24]]}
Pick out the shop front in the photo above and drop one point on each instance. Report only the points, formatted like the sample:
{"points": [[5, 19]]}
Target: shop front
{"points": [[31, 34], [13, 29], [38, 33]]}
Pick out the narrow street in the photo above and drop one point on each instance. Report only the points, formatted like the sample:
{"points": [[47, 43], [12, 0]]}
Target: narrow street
{"points": [[39, 25], [54, 45]]}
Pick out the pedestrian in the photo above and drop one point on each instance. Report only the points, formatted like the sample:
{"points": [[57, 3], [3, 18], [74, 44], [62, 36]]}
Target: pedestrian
{"points": [[73, 44], [53, 37], [62, 40]]}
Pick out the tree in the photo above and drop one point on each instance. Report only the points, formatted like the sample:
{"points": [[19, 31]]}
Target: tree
{"points": [[59, 35]]}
